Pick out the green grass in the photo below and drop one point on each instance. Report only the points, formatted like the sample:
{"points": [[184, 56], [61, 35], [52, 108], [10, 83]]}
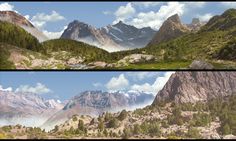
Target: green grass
{"points": [[4, 56]]}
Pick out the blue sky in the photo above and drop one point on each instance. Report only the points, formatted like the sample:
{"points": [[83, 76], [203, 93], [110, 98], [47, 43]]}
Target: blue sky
{"points": [[64, 85], [53, 17]]}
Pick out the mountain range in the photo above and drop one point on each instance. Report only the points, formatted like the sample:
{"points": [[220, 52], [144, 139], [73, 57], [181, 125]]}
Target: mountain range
{"points": [[32, 110], [111, 38], [175, 44], [26, 108], [192, 104]]}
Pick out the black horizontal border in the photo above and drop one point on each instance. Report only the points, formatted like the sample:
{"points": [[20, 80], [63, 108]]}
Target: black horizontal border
{"points": [[120, 70]]}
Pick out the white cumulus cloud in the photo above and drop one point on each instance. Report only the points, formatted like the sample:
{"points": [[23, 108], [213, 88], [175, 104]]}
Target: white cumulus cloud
{"points": [[9, 89], [38, 89], [117, 83], [41, 19], [6, 7], [124, 12], [155, 19], [155, 87]]}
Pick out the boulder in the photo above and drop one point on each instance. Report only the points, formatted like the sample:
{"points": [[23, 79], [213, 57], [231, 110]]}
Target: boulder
{"points": [[198, 64]]}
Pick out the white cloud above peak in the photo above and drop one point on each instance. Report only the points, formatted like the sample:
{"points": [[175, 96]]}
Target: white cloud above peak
{"points": [[38, 89], [155, 87], [117, 83], [40, 19], [154, 19], [124, 12]]}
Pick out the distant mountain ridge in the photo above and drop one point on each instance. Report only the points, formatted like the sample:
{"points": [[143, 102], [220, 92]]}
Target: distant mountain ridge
{"points": [[94, 103], [111, 38], [17, 107]]}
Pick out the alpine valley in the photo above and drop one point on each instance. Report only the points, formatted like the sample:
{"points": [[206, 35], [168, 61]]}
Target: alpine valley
{"points": [[175, 45], [191, 105]]}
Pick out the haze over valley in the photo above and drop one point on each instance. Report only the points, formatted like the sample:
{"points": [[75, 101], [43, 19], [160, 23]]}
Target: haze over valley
{"points": [[141, 105], [128, 35]]}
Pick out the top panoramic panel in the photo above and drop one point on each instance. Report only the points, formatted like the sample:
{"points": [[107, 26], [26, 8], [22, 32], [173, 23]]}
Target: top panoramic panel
{"points": [[118, 35]]}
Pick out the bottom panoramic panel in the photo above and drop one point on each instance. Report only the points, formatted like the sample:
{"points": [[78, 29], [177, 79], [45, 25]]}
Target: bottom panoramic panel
{"points": [[140, 105]]}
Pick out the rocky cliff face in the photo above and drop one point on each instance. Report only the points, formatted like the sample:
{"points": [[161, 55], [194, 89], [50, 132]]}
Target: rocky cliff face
{"points": [[195, 25], [170, 29], [17, 19], [183, 87]]}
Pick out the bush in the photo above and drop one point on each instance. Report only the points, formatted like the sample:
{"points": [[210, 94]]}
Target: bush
{"points": [[123, 115], [113, 123], [81, 125], [101, 126], [193, 133], [74, 118], [226, 129]]}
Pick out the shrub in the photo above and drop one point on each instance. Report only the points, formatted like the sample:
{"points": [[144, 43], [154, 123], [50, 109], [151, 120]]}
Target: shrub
{"points": [[193, 133], [123, 115], [113, 123]]}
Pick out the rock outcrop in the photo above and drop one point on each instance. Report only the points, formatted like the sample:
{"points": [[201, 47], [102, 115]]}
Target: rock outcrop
{"points": [[195, 25], [198, 64], [186, 86], [170, 29]]}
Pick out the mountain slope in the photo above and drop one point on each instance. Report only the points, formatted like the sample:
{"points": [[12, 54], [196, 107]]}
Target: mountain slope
{"points": [[17, 19], [15, 35], [184, 87], [83, 32], [170, 29], [204, 44], [76, 48]]}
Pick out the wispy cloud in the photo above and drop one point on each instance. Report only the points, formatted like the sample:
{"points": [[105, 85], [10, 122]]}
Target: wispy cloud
{"points": [[38, 89]]}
